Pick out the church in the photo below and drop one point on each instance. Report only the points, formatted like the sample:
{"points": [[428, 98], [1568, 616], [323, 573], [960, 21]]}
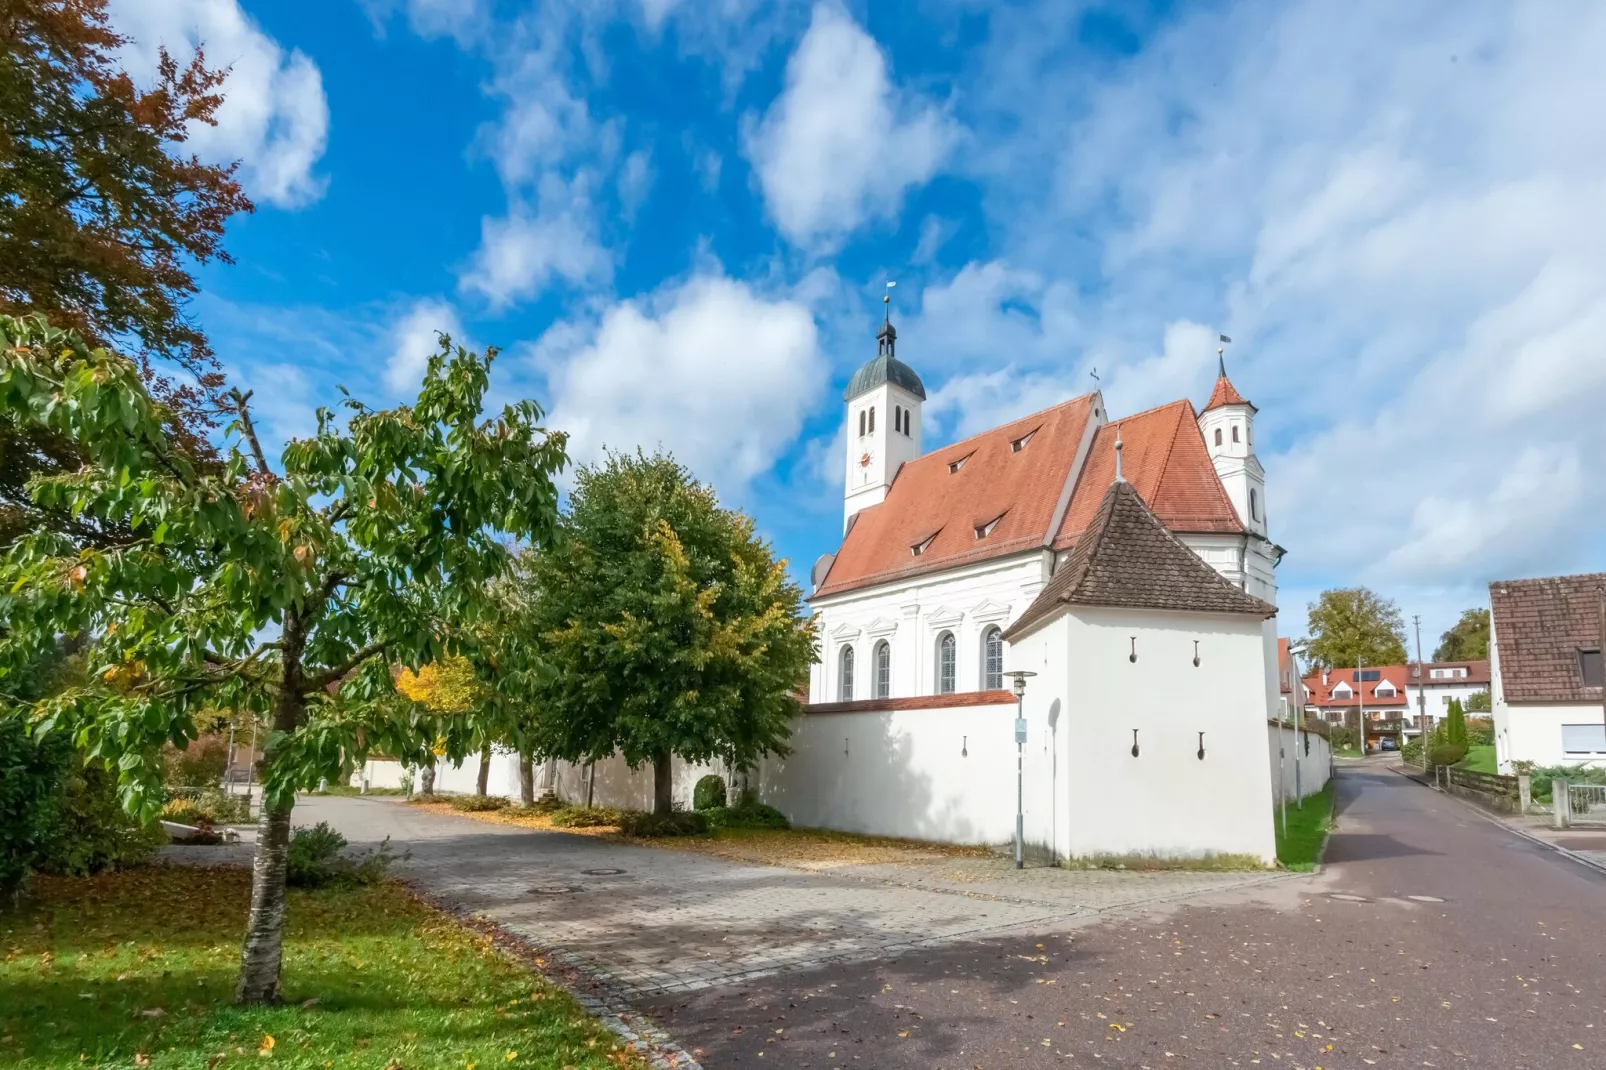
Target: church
{"points": [[1111, 579]]}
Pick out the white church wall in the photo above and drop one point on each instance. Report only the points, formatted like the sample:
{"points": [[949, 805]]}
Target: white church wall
{"points": [[623, 788], [462, 778], [1047, 794], [940, 774], [912, 614], [1300, 761], [1166, 801]]}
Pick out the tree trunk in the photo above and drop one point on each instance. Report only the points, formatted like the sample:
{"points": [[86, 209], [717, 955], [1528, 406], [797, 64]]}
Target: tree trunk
{"points": [[264, 932], [663, 783], [485, 770], [427, 781], [263, 950], [526, 778]]}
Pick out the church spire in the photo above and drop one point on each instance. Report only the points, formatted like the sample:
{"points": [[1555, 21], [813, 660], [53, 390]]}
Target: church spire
{"points": [[887, 337], [1224, 393]]}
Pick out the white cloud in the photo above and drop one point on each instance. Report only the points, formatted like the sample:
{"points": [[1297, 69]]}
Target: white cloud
{"points": [[842, 144], [415, 338], [521, 253], [635, 182], [708, 369], [274, 117]]}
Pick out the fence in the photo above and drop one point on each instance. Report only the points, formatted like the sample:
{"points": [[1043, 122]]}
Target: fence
{"points": [[1495, 792], [1586, 803]]}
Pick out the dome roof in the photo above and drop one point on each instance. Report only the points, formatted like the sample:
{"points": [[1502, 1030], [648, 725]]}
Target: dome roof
{"points": [[884, 369]]}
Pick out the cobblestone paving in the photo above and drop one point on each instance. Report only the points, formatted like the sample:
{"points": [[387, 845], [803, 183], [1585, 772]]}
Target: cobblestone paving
{"points": [[650, 921]]}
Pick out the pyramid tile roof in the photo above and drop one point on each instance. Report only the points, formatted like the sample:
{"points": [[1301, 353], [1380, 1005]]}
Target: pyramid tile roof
{"points": [[1226, 394], [1540, 626], [1127, 558]]}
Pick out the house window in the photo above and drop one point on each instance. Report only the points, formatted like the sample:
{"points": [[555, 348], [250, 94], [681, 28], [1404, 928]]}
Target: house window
{"points": [[1589, 667], [1254, 505], [1583, 738], [883, 669], [1020, 443], [844, 687], [1385, 691], [955, 465], [1235, 432], [984, 530], [1218, 436], [992, 659], [945, 663], [1342, 692]]}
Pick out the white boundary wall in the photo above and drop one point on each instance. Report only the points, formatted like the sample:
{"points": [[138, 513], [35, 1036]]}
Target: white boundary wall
{"points": [[1314, 764]]}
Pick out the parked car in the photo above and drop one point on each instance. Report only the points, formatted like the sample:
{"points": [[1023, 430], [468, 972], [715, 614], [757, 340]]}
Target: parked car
{"points": [[1388, 744]]}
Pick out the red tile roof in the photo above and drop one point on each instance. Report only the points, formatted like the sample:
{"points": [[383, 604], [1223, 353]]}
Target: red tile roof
{"points": [[1019, 488], [1163, 456], [1225, 394], [1128, 558], [1539, 626], [1477, 673], [1321, 694]]}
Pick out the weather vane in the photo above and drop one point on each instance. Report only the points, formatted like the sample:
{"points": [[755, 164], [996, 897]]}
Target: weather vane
{"points": [[1095, 374], [886, 298]]}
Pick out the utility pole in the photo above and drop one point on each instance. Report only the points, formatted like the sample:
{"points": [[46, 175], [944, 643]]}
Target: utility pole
{"points": [[1360, 705], [1421, 690]]}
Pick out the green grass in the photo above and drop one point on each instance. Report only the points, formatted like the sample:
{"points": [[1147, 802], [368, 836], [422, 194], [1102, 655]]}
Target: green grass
{"points": [[1480, 759], [1300, 848], [352, 789], [1347, 752], [137, 969]]}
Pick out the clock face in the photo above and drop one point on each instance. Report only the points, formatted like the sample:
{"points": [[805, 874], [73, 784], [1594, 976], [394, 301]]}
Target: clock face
{"points": [[864, 462]]}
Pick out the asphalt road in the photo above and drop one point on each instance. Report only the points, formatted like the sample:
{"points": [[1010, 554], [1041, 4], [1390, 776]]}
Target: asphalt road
{"points": [[1501, 964]]}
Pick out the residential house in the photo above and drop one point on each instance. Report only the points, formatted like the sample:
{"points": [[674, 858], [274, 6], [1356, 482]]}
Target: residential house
{"points": [[1376, 694], [1545, 655]]}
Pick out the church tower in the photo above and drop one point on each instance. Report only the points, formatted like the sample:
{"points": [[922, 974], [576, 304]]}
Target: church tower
{"points": [[1228, 424], [883, 405]]}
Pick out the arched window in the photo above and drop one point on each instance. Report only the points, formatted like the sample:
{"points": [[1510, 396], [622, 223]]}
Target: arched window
{"points": [[861, 423], [883, 669], [872, 422], [844, 687], [1254, 505], [1234, 427], [992, 659], [945, 663], [1218, 435]]}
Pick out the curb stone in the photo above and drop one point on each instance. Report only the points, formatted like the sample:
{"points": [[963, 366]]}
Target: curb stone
{"points": [[596, 995]]}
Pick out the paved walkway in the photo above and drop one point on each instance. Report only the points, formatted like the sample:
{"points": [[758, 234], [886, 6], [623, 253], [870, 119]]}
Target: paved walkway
{"points": [[652, 921]]}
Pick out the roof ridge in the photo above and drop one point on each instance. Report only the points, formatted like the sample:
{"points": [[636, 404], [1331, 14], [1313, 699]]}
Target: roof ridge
{"points": [[1152, 409], [1170, 448], [1008, 423]]}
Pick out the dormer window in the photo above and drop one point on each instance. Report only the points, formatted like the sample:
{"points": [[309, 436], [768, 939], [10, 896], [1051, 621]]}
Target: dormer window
{"points": [[984, 530], [1589, 667], [955, 465], [1385, 691], [1020, 443], [923, 545]]}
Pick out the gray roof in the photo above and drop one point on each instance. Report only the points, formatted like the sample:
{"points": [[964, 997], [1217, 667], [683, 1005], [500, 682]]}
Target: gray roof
{"points": [[1128, 558], [884, 369]]}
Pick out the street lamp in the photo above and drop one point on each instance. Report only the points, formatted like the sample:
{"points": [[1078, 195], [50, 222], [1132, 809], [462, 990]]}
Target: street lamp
{"points": [[1017, 684]]}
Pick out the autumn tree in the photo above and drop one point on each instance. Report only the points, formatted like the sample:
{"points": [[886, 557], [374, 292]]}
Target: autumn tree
{"points": [[1468, 640], [285, 589], [448, 688], [667, 626], [1349, 625], [103, 216]]}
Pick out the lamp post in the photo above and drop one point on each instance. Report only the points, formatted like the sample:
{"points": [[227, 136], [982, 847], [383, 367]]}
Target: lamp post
{"points": [[1018, 685]]}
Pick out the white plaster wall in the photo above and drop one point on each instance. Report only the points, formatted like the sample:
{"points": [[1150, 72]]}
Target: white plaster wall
{"points": [[945, 775], [619, 786], [1532, 733], [912, 614], [381, 773], [462, 778], [1285, 747], [1166, 802], [1437, 705]]}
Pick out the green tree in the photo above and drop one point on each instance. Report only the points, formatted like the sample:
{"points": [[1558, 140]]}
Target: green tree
{"points": [[286, 592], [1468, 640], [1349, 625], [1455, 724], [667, 626], [103, 217], [1479, 702]]}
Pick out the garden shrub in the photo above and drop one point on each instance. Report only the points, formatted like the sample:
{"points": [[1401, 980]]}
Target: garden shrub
{"points": [[200, 764], [748, 815], [709, 793], [478, 804], [674, 823], [213, 807], [1447, 753], [317, 859], [585, 817], [1412, 751], [31, 775]]}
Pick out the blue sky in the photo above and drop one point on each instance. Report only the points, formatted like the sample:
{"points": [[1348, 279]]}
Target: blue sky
{"points": [[676, 218]]}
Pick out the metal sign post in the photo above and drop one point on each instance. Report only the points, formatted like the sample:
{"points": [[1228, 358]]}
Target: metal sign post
{"points": [[1018, 685]]}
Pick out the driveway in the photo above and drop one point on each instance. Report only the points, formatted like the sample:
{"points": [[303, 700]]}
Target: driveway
{"points": [[1432, 939], [650, 922]]}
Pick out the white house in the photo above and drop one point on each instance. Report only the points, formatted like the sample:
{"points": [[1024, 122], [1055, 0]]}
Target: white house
{"points": [[1125, 563], [1431, 687], [1545, 659]]}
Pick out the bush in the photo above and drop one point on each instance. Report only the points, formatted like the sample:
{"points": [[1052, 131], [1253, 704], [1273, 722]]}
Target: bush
{"points": [[749, 815], [1480, 732], [674, 823], [31, 775], [1447, 753], [213, 807], [317, 859], [1541, 776], [1412, 751], [585, 817], [709, 793], [200, 764], [478, 804]]}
